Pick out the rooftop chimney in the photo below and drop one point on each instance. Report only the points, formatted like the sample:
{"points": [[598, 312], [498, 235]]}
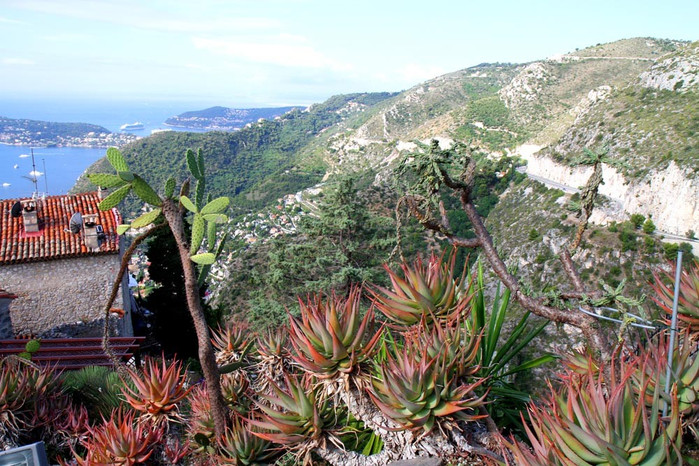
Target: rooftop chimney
{"points": [[30, 216], [92, 231]]}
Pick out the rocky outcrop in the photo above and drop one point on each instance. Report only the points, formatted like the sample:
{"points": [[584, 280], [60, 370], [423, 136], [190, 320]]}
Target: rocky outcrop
{"points": [[678, 72], [526, 86]]}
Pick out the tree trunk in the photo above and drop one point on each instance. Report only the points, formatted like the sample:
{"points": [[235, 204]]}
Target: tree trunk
{"points": [[207, 358]]}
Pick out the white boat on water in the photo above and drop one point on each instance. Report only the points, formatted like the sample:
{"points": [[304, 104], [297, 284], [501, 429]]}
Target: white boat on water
{"points": [[5, 185], [24, 156], [15, 166], [132, 126]]}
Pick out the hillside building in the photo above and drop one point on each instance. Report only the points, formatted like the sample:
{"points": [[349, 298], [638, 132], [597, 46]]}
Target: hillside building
{"points": [[59, 256]]}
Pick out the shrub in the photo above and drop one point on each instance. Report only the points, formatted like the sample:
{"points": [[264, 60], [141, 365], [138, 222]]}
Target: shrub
{"points": [[637, 220]]}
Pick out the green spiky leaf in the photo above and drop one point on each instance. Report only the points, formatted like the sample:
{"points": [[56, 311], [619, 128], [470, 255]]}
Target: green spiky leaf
{"points": [[114, 198], [169, 187], [146, 219], [200, 163], [117, 160], [198, 230], [211, 235], [145, 192], [199, 193], [189, 205], [106, 180], [126, 176], [216, 218], [216, 206], [123, 228], [192, 164], [205, 258]]}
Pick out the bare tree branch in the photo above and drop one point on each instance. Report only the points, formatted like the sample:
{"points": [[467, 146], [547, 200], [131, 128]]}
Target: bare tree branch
{"points": [[116, 361]]}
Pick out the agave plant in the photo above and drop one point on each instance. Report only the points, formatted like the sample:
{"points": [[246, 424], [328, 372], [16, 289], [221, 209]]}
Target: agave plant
{"points": [[330, 337], [418, 391], [119, 441], [158, 390], [240, 447], [232, 342], [296, 416], [595, 421], [426, 291], [688, 309]]}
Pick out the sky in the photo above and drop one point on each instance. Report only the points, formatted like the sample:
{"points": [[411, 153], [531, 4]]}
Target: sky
{"points": [[242, 53]]}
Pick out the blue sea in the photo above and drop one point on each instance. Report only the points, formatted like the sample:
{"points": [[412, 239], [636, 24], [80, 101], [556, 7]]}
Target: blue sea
{"points": [[58, 167]]}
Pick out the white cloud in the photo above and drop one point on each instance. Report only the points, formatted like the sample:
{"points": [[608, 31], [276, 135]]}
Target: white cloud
{"points": [[17, 61], [286, 50]]}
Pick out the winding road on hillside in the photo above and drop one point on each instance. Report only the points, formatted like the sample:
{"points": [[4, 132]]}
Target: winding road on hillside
{"points": [[665, 236]]}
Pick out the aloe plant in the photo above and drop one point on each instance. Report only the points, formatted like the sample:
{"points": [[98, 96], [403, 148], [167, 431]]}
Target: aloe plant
{"points": [[684, 376], [598, 420], [330, 337], [296, 415], [119, 440], [424, 292], [418, 391], [158, 389], [232, 342], [240, 446], [688, 310]]}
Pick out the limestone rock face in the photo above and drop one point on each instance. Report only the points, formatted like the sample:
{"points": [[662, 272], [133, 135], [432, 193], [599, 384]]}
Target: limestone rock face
{"points": [[676, 73]]}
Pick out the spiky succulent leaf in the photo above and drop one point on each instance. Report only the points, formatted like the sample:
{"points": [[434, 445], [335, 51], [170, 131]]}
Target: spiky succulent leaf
{"points": [[330, 337], [146, 219], [145, 192], [211, 236], [198, 231], [688, 301], [216, 206], [158, 389], [123, 228], [216, 218], [599, 419], [200, 163], [169, 188], [205, 258], [192, 164], [106, 180], [188, 204], [126, 176], [199, 192], [419, 391], [426, 291], [114, 198], [116, 160]]}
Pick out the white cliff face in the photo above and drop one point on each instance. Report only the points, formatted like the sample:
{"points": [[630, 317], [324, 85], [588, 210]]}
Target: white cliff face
{"points": [[677, 73], [669, 196]]}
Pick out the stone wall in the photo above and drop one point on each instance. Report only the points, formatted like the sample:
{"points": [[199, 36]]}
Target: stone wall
{"points": [[59, 292]]}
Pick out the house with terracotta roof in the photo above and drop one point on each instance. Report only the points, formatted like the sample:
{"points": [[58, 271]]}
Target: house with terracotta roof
{"points": [[59, 256]]}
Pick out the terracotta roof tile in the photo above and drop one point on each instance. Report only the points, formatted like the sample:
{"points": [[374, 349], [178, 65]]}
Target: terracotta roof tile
{"points": [[54, 240]]}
